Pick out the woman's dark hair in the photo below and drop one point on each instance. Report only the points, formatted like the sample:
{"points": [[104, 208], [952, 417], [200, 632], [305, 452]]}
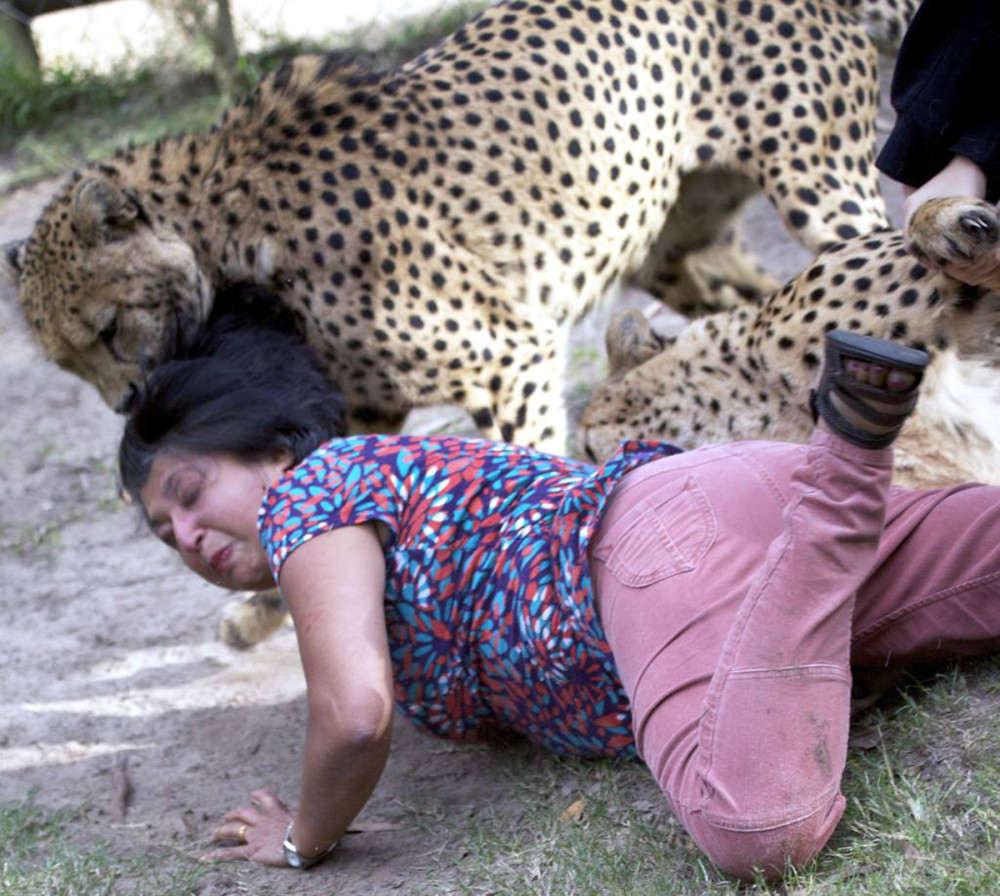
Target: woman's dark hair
{"points": [[248, 386]]}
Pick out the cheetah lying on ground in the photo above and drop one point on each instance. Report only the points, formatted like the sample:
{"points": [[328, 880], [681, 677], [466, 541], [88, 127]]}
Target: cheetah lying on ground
{"points": [[746, 373], [437, 228]]}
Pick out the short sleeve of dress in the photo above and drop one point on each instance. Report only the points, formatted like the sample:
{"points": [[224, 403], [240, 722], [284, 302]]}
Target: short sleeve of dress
{"points": [[342, 483]]}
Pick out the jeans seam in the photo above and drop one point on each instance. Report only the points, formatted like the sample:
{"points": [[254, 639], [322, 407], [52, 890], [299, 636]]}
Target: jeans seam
{"points": [[681, 462], [876, 626], [769, 822], [814, 670]]}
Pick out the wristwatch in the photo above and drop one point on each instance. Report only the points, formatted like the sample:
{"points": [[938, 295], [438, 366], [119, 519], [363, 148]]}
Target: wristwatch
{"points": [[296, 860]]}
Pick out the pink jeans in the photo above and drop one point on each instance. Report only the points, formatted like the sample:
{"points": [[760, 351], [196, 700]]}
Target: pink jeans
{"points": [[737, 585]]}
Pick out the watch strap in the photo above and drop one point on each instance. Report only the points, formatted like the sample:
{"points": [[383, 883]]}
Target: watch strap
{"points": [[295, 859]]}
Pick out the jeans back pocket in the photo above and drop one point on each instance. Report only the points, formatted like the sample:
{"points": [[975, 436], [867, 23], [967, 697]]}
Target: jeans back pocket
{"points": [[663, 534]]}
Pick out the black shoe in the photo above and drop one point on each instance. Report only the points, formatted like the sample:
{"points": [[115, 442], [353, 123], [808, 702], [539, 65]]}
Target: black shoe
{"points": [[866, 415]]}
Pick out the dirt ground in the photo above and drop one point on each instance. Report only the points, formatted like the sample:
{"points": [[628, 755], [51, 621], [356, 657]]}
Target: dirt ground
{"points": [[109, 652]]}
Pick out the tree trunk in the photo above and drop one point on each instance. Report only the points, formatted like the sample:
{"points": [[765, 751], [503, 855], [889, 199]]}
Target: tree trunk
{"points": [[16, 42], [226, 51]]}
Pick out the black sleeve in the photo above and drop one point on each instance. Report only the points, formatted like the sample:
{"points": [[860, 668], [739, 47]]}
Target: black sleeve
{"points": [[945, 94]]}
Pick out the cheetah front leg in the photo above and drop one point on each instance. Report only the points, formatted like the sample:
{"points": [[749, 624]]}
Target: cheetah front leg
{"points": [[518, 395], [960, 236]]}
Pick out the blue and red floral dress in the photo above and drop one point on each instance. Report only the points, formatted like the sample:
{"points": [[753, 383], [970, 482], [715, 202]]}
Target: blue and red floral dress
{"points": [[489, 609]]}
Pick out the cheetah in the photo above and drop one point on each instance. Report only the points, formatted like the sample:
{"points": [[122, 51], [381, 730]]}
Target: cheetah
{"points": [[437, 228], [746, 373], [884, 20]]}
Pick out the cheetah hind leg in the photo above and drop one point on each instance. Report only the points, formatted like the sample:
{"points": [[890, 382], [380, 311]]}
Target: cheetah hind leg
{"points": [[730, 273], [247, 622], [699, 263]]}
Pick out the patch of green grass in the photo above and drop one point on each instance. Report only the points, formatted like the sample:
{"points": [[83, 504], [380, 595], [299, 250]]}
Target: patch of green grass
{"points": [[38, 857], [69, 141], [923, 817], [588, 358], [92, 130], [27, 101], [26, 539], [624, 843]]}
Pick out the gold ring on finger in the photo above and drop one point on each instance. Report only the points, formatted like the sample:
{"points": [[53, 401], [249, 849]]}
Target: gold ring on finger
{"points": [[241, 834]]}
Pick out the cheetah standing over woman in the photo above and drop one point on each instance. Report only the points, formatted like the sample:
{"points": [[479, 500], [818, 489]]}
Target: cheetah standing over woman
{"points": [[437, 229]]}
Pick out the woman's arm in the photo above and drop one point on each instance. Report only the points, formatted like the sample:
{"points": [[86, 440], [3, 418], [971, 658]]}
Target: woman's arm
{"points": [[334, 587]]}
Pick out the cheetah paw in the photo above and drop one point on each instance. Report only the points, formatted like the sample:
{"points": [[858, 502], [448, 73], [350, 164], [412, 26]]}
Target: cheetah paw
{"points": [[249, 621], [956, 232]]}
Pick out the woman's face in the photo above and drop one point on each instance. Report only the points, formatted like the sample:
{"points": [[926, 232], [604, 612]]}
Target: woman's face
{"points": [[205, 507]]}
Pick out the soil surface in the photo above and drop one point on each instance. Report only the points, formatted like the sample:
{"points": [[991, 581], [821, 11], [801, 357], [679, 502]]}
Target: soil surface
{"points": [[110, 663]]}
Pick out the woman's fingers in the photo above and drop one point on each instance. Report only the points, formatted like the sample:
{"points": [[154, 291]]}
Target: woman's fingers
{"points": [[236, 823], [264, 799], [983, 270], [242, 813], [257, 830], [231, 830], [266, 854]]}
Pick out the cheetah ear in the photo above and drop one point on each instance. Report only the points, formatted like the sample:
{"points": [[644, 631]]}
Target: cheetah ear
{"points": [[12, 260], [630, 341], [104, 212]]}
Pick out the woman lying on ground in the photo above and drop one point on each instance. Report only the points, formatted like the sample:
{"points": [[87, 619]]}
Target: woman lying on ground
{"points": [[698, 609]]}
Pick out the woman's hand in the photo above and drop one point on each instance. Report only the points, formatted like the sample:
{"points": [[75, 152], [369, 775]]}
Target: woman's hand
{"points": [[960, 177], [951, 238], [259, 828]]}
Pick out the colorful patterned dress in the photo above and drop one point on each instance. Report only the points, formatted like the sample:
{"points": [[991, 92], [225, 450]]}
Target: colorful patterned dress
{"points": [[489, 609]]}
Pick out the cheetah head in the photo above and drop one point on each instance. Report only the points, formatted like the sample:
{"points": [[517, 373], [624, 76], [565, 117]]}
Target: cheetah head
{"points": [[616, 405], [106, 293]]}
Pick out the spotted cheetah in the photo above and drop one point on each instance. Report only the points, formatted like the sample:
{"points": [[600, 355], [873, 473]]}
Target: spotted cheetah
{"points": [[437, 228], [746, 373], [884, 20]]}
